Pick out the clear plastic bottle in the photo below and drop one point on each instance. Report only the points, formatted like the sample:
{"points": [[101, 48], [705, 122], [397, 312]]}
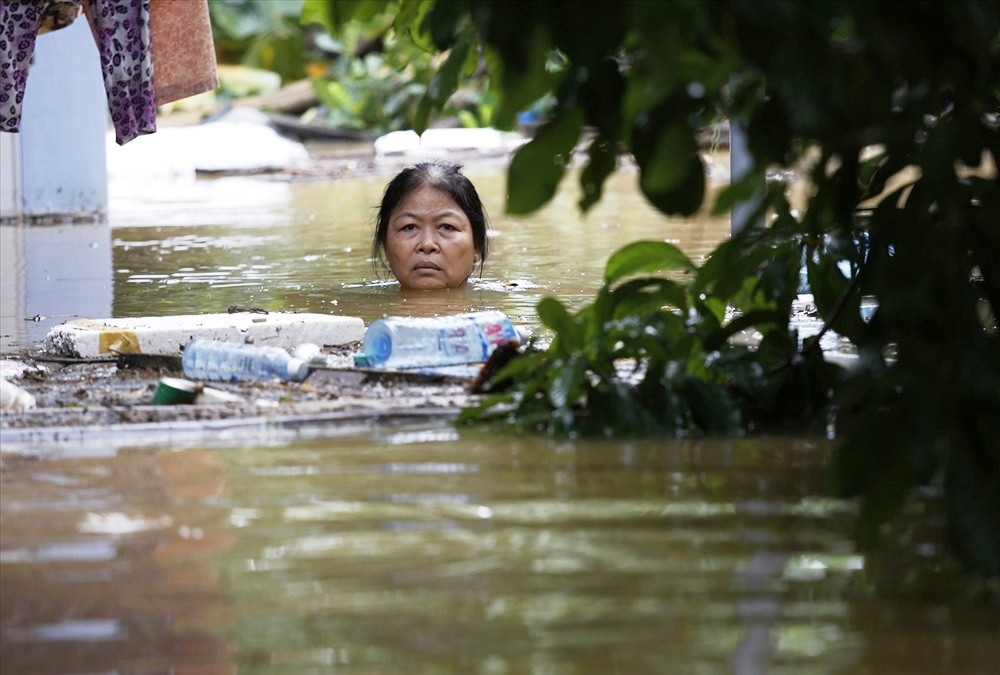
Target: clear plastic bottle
{"points": [[397, 342], [239, 362]]}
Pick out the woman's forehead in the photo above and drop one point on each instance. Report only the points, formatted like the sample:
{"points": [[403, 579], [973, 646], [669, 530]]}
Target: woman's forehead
{"points": [[425, 201]]}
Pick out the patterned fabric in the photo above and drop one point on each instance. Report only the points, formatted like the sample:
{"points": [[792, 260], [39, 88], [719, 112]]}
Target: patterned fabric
{"points": [[20, 23], [121, 30]]}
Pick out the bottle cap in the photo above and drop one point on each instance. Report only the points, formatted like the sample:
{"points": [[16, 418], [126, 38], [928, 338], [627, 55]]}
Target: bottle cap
{"points": [[378, 346], [297, 370]]}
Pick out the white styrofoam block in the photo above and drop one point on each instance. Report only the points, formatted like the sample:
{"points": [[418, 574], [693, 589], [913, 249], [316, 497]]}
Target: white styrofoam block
{"points": [[167, 335]]}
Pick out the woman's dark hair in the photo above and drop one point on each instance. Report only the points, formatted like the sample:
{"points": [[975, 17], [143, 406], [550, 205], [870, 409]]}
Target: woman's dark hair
{"points": [[444, 176]]}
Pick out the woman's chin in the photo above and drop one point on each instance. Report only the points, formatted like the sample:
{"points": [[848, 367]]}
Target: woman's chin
{"points": [[429, 284]]}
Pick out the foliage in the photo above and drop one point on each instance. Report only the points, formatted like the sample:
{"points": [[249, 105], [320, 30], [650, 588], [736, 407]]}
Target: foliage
{"points": [[264, 35], [892, 110], [380, 76], [654, 354]]}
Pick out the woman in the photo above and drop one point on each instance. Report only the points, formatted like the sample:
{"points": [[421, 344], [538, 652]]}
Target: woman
{"points": [[431, 227]]}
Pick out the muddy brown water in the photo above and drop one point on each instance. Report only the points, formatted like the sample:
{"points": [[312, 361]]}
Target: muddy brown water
{"points": [[413, 546]]}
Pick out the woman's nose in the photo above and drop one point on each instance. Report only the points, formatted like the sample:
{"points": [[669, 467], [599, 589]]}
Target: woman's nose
{"points": [[428, 241]]}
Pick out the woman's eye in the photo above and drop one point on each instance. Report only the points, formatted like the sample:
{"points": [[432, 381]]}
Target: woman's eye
{"points": [[447, 226]]}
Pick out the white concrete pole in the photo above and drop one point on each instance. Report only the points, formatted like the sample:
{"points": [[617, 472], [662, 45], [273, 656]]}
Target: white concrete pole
{"points": [[63, 172], [54, 170], [740, 163]]}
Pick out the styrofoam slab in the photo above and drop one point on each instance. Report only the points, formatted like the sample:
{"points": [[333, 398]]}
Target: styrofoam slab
{"points": [[167, 335]]}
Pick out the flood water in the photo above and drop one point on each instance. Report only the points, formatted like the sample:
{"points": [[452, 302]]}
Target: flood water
{"points": [[421, 547], [199, 246]]}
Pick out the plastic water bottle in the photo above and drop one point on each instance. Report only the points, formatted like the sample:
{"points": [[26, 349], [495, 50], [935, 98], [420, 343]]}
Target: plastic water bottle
{"points": [[397, 342], [239, 362]]}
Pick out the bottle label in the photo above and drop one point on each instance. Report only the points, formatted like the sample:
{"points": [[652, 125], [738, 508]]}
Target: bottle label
{"points": [[397, 342], [476, 340]]}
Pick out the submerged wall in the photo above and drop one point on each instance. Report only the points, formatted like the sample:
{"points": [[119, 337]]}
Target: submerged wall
{"points": [[55, 169]]}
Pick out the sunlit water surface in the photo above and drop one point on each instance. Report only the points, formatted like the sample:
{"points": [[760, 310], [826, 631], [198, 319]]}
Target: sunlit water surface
{"points": [[203, 246], [422, 548]]}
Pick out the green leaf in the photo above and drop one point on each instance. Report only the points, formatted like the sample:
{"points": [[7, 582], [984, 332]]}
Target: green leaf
{"points": [[539, 165], [411, 20], [972, 499], [668, 165], [517, 67], [444, 82], [645, 256], [613, 411], [641, 297], [411, 13], [336, 96], [744, 189], [711, 407], [567, 386], [334, 15], [683, 199], [554, 315], [318, 12], [833, 293], [751, 319], [672, 176], [440, 22], [602, 161]]}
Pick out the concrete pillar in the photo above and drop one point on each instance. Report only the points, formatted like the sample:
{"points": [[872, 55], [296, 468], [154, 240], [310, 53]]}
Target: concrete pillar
{"points": [[11, 204], [740, 163], [54, 171], [55, 168]]}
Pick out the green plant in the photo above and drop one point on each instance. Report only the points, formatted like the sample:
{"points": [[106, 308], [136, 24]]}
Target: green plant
{"points": [[265, 35], [896, 125], [384, 75], [655, 355]]}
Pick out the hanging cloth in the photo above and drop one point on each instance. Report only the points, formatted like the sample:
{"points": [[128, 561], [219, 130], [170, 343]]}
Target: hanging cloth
{"points": [[20, 23], [183, 49], [131, 35], [121, 30]]}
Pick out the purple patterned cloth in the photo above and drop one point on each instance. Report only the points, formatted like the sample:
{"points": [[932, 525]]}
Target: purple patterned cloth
{"points": [[121, 29]]}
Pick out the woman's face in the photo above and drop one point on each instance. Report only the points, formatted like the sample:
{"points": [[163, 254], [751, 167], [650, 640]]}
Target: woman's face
{"points": [[429, 243]]}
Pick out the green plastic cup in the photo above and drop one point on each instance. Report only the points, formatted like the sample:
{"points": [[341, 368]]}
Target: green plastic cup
{"points": [[174, 391]]}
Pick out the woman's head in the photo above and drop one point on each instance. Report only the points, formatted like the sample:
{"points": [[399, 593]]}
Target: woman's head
{"points": [[431, 227]]}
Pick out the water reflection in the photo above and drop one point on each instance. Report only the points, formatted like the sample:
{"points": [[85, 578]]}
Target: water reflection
{"points": [[109, 565], [50, 274], [436, 550]]}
